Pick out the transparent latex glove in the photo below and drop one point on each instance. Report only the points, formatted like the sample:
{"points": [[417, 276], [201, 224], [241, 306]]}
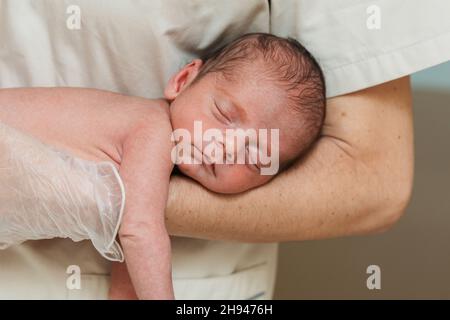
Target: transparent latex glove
{"points": [[47, 193]]}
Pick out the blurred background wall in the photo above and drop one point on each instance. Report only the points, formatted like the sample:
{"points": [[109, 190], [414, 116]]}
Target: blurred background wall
{"points": [[414, 256]]}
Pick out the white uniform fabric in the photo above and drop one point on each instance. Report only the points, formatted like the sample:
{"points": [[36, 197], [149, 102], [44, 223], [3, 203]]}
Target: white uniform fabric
{"points": [[48, 193], [133, 47], [353, 52]]}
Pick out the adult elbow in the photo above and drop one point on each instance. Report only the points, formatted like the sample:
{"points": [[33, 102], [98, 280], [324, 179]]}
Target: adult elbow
{"points": [[392, 214], [393, 204]]}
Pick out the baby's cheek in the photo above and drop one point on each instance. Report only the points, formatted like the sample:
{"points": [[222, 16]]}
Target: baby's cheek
{"points": [[248, 179]]}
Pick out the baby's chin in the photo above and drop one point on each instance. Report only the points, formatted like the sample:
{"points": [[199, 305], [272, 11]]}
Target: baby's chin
{"points": [[200, 174], [219, 187]]}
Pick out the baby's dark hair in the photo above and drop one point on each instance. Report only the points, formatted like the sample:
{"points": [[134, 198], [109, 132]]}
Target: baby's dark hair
{"points": [[289, 64]]}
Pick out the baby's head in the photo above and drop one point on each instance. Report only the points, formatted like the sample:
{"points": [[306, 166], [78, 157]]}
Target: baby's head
{"points": [[258, 81]]}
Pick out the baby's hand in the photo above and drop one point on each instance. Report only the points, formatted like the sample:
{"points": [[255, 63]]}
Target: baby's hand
{"points": [[121, 287]]}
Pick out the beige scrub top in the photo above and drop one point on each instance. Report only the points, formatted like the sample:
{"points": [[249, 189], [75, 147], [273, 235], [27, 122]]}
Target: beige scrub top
{"points": [[133, 47]]}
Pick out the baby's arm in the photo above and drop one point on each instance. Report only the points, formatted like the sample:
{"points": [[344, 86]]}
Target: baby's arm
{"points": [[145, 169]]}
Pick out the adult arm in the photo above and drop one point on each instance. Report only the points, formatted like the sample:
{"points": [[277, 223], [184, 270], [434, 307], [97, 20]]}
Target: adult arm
{"points": [[356, 180]]}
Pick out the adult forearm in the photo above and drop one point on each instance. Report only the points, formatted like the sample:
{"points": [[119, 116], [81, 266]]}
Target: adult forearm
{"points": [[328, 197]]}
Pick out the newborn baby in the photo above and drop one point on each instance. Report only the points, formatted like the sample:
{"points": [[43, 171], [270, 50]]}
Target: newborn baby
{"points": [[256, 82]]}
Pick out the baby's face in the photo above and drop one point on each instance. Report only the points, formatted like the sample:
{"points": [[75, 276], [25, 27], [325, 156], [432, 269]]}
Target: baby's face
{"points": [[215, 103]]}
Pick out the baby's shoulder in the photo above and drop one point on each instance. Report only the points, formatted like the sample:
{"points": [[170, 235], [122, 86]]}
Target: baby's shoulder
{"points": [[150, 133], [149, 127], [157, 109], [153, 115]]}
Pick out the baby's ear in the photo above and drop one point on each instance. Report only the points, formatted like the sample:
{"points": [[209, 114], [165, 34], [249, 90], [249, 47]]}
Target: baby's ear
{"points": [[182, 79]]}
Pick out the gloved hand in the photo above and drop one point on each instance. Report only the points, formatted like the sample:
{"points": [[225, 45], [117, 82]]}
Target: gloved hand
{"points": [[47, 193]]}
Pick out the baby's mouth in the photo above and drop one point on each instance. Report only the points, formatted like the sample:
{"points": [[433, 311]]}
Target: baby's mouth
{"points": [[204, 160], [211, 168], [209, 164], [196, 155]]}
